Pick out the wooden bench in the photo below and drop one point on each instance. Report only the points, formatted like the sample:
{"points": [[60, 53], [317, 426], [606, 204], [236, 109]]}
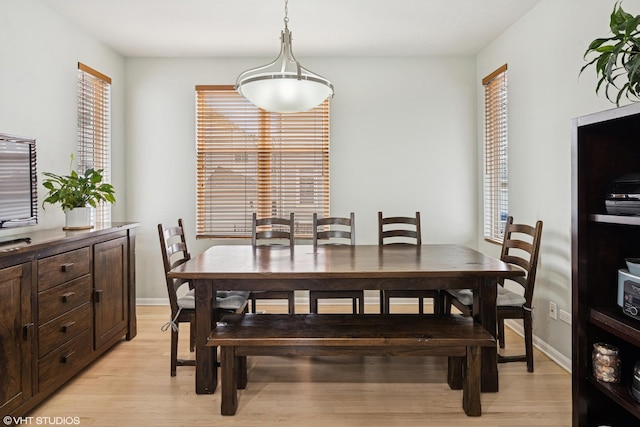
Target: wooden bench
{"points": [[453, 335]]}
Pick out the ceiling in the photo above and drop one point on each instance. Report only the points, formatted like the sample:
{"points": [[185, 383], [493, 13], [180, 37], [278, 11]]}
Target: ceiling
{"points": [[207, 28]]}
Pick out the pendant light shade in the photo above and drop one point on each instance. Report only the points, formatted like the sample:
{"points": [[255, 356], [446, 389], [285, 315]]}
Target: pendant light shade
{"points": [[284, 86]]}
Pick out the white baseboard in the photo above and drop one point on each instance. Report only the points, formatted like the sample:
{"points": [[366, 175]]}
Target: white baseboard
{"points": [[152, 301], [560, 359]]}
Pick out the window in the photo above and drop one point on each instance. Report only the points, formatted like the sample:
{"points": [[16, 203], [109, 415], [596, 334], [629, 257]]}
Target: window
{"points": [[94, 129], [496, 176], [250, 160]]}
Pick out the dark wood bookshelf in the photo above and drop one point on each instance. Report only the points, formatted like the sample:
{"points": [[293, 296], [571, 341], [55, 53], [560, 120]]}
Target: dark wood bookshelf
{"points": [[605, 146]]}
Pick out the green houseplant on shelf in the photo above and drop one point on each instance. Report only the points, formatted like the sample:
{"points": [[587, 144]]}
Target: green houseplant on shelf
{"points": [[77, 194], [617, 60]]}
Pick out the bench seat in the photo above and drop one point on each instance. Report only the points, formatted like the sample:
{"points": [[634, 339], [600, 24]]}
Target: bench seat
{"points": [[452, 335]]}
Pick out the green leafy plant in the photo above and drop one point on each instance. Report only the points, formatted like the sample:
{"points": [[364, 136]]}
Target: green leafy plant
{"points": [[78, 190], [618, 56]]}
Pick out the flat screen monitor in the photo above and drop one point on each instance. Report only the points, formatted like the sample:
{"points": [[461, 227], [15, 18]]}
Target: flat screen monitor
{"points": [[18, 182]]}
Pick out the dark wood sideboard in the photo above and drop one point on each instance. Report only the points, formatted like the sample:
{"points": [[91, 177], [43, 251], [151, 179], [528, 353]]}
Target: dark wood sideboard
{"points": [[65, 298]]}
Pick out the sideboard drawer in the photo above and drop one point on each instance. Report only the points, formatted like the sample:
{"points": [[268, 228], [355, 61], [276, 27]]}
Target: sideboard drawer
{"points": [[58, 269], [62, 363], [61, 329], [56, 301]]}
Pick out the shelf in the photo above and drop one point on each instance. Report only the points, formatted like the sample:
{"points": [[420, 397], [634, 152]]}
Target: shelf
{"points": [[612, 320], [620, 393], [615, 219]]}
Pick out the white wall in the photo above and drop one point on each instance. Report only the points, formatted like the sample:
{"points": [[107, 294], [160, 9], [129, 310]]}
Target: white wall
{"points": [[403, 139], [38, 93], [544, 52], [422, 111]]}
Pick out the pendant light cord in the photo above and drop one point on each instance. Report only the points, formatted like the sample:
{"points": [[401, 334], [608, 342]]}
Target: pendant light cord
{"points": [[286, 13]]}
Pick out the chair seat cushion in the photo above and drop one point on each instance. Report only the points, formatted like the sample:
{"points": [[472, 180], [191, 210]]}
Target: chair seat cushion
{"points": [[505, 297], [226, 300]]}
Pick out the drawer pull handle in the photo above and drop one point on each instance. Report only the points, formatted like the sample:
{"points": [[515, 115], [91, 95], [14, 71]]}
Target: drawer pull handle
{"points": [[66, 267], [26, 331], [97, 295], [65, 328], [66, 297], [66, 357]]}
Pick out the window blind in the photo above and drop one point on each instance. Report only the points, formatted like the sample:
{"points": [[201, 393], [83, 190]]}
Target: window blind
{"points": [[94, 129], [250, 160], [496, 174]]}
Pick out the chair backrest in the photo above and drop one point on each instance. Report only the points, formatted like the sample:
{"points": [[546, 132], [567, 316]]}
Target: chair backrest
{"points": [[174, 253], [399, 230], [521, 247], [272, 231], [334, 230]]}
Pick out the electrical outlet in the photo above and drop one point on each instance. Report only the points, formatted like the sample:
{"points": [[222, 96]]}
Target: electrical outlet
{"points": [[565, 316], [553, 310]]}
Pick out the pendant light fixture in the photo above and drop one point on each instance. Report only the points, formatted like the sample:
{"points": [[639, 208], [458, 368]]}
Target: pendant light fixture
{"points": [[284, 86]]}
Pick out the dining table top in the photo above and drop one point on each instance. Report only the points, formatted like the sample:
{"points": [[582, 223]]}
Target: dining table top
{"points": [[343, 261]]}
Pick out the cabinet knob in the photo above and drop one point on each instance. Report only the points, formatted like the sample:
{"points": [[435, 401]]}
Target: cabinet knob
{"points": [[66, 358], [66, 297], [66, 267], [65, 328]]}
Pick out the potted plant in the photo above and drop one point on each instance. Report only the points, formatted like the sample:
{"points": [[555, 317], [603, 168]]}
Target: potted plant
{"points": [[77, 194], [617, 60]]}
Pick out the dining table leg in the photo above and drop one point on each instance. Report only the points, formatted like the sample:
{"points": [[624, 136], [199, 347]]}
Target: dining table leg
{"points": [[206, 356], [485, 298]]}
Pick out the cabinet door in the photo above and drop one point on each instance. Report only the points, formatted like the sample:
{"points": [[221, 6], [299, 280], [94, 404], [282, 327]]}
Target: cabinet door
{"points": [[110, 279], [16, 336]]}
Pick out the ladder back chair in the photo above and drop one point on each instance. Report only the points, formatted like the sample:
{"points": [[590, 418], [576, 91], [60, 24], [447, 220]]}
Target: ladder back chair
{"points": [[273, 233], [403, 230], [173, 246], [520, 248], [335, 231]]}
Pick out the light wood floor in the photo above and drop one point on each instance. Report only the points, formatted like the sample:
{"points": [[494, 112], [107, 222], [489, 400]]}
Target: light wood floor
{"points": [[131, 386]]}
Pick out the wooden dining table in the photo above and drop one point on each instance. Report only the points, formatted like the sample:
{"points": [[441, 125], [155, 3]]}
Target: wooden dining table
{"points": [[367, 267]]}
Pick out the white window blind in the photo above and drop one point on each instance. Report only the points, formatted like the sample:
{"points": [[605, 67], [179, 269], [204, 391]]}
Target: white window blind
{"points": [[250, 160], [496, 174], [94, 129]]}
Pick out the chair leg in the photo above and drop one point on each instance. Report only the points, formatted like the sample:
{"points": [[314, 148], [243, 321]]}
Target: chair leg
{"points": [[253, 304], [361, 303], [446, 302], [192, 335], [313, 304], [438, 303], [292, 303], [174, 352], [528, 339], [387, 303], [382, 302], [501, 332]]}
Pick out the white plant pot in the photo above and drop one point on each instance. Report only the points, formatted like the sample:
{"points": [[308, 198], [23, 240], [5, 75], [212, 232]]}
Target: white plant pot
{"points": [[77, 218]]}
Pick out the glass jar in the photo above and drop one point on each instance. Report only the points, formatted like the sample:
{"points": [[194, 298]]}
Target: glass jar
{"points": [[635, 383], [606, 363]]}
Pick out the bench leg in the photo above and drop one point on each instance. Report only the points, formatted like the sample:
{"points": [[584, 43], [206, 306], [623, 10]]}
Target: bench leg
{"points": [[471, 388], [228, 379], [454, 372], [241, 372]]}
